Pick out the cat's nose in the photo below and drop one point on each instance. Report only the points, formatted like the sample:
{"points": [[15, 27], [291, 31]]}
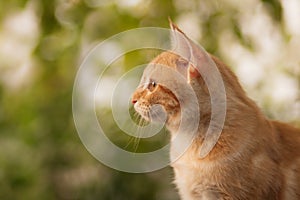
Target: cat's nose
{"points": [[133, 101]]}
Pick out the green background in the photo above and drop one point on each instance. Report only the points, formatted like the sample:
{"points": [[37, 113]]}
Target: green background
{"points": [[42, 44]]}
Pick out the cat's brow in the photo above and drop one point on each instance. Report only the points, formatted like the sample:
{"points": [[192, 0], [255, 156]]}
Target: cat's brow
{"points": [[145, 84]]}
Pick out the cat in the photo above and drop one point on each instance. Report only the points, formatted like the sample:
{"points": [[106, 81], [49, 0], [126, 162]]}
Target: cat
{"points": [[253, 158]]}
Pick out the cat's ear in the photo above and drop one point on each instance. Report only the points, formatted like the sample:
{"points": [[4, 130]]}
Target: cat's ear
{"points": [[199, 63], [179, 42], [185, 68], [198, 59]]}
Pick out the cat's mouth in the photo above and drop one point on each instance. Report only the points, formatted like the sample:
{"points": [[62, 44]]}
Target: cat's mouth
{"points": [[153, 113]]}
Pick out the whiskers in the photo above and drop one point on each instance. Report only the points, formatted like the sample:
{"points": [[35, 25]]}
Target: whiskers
{"points": [[135, 140], [145, 129]]}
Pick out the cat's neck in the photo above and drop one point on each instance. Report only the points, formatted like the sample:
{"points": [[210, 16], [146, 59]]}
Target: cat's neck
{"points": [[242, 115]]}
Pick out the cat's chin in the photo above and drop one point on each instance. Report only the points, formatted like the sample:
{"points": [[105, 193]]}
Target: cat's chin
{"points": [[157, 114]]}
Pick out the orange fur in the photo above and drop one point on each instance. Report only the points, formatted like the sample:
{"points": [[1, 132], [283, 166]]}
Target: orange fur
{"points": [[254, 158]]}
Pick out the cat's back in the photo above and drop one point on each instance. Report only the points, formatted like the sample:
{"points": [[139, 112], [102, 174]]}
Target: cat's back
{"points": [[289, 149], [289, 139]]}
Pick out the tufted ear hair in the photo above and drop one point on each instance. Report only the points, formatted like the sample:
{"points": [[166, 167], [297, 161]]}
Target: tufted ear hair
{"points": [[179, 42], [198, 59]]}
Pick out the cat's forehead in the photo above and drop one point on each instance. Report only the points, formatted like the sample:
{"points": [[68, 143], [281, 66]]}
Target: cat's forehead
{"points": [[161, 69], [166, 58], [156, 72]]}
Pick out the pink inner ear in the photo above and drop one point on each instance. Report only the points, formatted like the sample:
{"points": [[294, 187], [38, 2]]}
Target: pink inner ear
{"points": [[193, 72]]}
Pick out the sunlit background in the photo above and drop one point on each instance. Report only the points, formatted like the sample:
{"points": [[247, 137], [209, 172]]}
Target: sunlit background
{"points": [[42, 44]]}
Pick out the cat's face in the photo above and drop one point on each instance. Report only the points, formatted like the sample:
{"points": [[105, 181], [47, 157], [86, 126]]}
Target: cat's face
{"points": [[153, 99]]}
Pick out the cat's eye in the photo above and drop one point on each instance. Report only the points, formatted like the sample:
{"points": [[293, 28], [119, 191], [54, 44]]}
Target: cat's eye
{"points": [[152, 85]]}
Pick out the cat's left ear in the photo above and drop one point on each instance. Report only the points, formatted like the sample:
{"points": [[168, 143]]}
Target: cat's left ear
{"points": [[179, 42], [199, 61]]}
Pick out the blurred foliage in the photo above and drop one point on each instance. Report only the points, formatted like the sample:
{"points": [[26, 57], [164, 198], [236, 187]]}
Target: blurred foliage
{"points": [[41, 156]]}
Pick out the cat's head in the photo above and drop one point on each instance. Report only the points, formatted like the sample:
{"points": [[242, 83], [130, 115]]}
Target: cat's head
{"points": [[153, 99], [174, 80]]}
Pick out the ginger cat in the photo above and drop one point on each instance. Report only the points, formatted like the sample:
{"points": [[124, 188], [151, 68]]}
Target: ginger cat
{"points": [[254, 157]]}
